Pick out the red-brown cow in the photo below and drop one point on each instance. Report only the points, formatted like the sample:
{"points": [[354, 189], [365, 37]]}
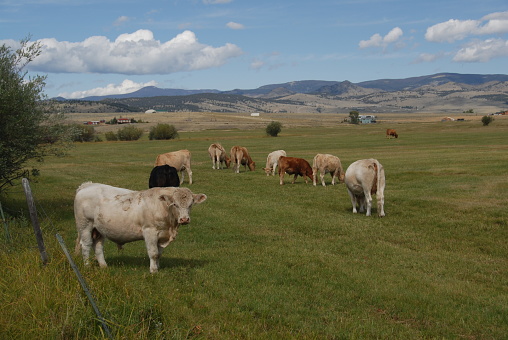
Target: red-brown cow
{"points": [[294, 166], [391, 133], [240, 155]]}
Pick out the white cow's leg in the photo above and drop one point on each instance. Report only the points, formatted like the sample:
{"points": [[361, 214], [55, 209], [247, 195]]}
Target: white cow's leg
{"points": [[314, 177], [182, 175], [353, 200], [189, 172], [368, 202], [99, 251], [274, 167], [322, 175], [380, 205], [152, 248], [86, 244], [334, 174]]}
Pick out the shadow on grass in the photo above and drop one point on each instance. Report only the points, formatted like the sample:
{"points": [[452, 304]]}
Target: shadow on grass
{"points": [[143, 261]]}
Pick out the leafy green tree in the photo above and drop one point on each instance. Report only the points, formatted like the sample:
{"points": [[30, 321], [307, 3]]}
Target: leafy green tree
{"points": [[486, 120], [163, 131], [354, 117], [28, 128], [273, 129], [111, 136]]}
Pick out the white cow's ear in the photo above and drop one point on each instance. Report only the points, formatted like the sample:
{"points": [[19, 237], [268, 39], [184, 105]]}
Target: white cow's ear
{"points": [[199, 198]]}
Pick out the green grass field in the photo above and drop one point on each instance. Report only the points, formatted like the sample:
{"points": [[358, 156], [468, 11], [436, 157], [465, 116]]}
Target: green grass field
{"points": [[264, 261]]}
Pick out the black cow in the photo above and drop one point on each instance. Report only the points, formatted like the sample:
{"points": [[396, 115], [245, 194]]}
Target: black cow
{"points": [[164, 176]]}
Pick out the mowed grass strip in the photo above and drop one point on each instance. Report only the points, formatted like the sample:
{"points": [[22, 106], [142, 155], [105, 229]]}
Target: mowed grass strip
{"points": [[264, 261]]}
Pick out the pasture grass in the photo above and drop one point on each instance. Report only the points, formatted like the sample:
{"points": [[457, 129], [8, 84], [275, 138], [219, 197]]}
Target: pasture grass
{"points": [[264, 261]]}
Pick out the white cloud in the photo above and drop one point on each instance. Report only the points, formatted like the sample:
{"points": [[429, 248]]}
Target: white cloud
{"points": [[121, 20], [257, 64], [482, 51], [453, 29], [135, 54], [127, 86], [235, 25], [378, 41]]}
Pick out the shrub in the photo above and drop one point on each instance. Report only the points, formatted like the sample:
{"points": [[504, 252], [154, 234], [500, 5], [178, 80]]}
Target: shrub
{"points": [[83, 133], [163, 131], [273, 129], [129, 133], [486, 120], [111, 136]]}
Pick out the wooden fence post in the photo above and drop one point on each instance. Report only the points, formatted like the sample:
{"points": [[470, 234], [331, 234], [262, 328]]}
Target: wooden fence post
{"points": [[35, 220]]}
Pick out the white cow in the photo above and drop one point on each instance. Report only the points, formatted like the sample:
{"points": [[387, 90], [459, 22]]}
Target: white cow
{"points": [[364, 178], [180, 160], [121, 215], [327, 163], [272, 160], [218, 156]]}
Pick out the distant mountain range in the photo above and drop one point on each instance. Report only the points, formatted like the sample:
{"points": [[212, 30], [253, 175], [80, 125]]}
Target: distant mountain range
{"points": [[445, 90]]}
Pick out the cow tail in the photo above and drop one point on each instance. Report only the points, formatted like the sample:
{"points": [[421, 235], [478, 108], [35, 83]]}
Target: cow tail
{"points": [[375, 182], [380, 177], [77, 248]]}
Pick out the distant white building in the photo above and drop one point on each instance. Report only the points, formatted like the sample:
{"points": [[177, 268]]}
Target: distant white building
{"points": [[367, 119], [150, 111], [254, 114]]}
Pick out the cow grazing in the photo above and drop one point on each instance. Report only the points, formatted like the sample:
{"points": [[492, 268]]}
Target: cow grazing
{"points": [[164, 176], [326, 163], [218, 156], [240, 155], [391, 133], [180, 160], [364, 178], [294, 166], [272, 161], [121, 215]]}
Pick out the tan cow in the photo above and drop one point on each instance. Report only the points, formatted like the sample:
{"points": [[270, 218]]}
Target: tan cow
{"points": [[327, 163], [218, 156], [364, 178], [294, 166], [391, 133], [180, 160], [240, 155], [272, 161], [122, 216]]}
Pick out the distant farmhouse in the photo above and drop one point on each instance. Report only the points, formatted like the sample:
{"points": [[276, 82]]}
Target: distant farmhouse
{"points": [[367, 119]]}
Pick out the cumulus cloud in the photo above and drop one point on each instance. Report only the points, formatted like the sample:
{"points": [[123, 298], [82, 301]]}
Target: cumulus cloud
{"points": [[379, 41], [482, 51], [235, 25], [135, 54], [127, 86], [453, 29]]}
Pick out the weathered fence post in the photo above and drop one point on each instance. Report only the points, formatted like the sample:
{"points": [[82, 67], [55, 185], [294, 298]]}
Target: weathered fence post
{"points": [[35, 220]]}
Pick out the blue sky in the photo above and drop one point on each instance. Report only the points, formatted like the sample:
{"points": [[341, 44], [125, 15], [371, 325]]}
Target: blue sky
{"points": [[99, 47]]}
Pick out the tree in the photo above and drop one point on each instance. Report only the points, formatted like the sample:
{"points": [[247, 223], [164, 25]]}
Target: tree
{"points": [[163, 131], [273, 129], [486, 120], [28, 129], [354, 117], [129, 133]]}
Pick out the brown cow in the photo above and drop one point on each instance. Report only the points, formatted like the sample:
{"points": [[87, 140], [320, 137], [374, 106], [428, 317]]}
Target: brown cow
{"points": [[294, 166], [240, 155], [391, 133], [327, 163], [180, 160], [218, 156]]}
